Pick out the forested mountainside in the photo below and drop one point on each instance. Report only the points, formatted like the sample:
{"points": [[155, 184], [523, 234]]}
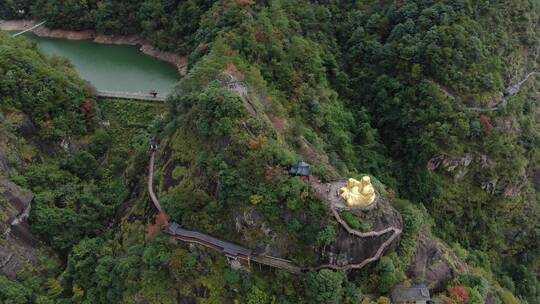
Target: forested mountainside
{"points": [[417, 94]]}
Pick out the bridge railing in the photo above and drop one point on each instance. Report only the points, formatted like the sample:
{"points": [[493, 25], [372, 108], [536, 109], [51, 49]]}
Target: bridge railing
{"points": [[131, 95], [29, 29]]}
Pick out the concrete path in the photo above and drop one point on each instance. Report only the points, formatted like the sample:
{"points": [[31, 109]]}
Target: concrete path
{"points": [[128, 95]]}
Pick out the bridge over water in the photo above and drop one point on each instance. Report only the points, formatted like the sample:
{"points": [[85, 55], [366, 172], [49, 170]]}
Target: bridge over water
{"points": [[29, 29], [161, 75], [134, 96]]}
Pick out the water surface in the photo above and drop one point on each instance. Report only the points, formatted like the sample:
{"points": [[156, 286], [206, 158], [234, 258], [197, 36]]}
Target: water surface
{"points": [[112, 67]]}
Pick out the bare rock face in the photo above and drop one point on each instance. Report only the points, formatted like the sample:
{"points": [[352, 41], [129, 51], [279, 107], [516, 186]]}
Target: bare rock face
{"points": [[15, 202], [457, 165], [352, 249], [536, 180], [504, 187], [434, 264], [267, 241], [14, 125], [4, 163], [17, 244]]}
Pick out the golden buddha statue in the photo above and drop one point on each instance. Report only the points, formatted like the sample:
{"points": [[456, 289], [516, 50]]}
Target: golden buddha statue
{"points": [[358, 193]]}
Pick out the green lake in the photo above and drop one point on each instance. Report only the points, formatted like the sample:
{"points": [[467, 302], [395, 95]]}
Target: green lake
{"points": [[113, 67]]}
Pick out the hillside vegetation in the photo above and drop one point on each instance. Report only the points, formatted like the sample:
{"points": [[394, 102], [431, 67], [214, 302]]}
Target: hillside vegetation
{"points": [[410, 92]]}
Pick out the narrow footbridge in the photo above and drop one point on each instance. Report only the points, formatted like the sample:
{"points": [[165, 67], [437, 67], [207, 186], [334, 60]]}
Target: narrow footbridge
{"points": [[133, 96], [229, 249], [29, 29]]}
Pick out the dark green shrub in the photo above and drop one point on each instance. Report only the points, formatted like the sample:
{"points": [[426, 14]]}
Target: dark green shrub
{"points": [[101, 142], [324, 286], [82, 164], [355, 222], [388, 276]]}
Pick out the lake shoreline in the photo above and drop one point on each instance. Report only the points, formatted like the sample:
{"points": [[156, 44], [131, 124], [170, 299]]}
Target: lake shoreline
{"points": [[180, 62]]}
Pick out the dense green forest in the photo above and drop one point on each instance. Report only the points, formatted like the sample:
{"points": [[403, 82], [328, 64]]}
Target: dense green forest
{"points": [[410, 92]]}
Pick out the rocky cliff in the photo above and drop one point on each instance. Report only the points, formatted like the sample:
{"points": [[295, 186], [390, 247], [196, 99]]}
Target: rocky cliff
{"points": [[17, 244], [353, 249], [434, 264]]}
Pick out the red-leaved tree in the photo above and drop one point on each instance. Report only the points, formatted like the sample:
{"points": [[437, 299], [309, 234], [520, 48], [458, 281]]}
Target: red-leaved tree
{"points": [[485, 122], [152, 230], [459, 294], [162, 220]]}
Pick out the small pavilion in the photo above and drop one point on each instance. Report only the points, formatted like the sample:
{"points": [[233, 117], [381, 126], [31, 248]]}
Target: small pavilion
{"points": [[418, 294], [301, 169]]}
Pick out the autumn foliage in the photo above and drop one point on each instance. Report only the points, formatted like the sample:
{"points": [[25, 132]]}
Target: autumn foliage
{"points": [[259, 35], [459, 294], [234, 71], [485, 122], [274, 172], [151, 231], [88, 108], [162, 222], [245, 2], [279, 123]]}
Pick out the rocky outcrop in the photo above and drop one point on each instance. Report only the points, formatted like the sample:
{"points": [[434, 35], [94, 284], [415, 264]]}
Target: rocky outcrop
{"points": [[509, 126], [456, 164], [65, 34], [349, 251], [536, 180], [14, 125], [514, 189], [17, 244], [180, 62], [486, 162], [434, 264], [490, 186], [514, 89], [116, 39], [250, 224], [4, 163], [497, 186], [352, 249], [15, 200]]}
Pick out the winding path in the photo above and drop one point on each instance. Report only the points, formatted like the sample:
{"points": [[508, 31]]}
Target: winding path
{"points": [[515, 88], [395, 233], [234, 251], [153, 196], [511, 90]]}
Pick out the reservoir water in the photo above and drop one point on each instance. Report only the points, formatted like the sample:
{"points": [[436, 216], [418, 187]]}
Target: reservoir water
{"points": [[112, 67]]}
